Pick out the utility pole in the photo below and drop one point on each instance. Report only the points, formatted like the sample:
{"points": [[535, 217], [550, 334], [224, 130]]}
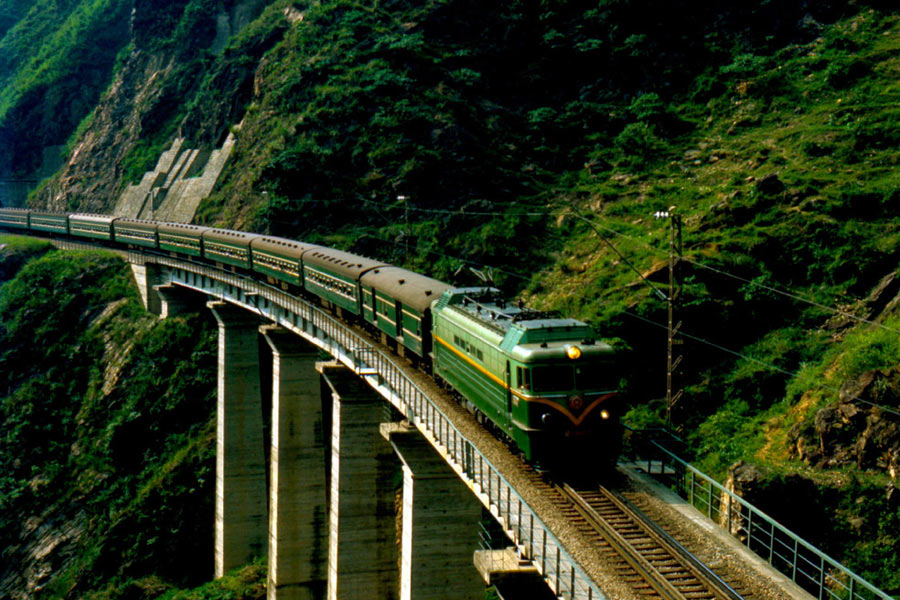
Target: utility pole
{"points": [[406, 235], [674, 355]]}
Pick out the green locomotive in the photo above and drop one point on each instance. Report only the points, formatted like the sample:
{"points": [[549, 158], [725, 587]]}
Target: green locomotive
{"points": [[544, 381]]}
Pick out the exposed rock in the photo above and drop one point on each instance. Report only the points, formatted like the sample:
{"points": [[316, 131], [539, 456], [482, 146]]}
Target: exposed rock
{"points": [[850, 432], [48, 542], [87, 181], [885, 296], [144, 98], [882, 300], [743, 480]]}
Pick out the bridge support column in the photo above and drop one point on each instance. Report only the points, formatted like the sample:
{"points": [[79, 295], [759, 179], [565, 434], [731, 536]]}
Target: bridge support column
{"points": [[147, 277], [440, 523], [175, 300], [240, 532], [298, 521], [512, 578], [362, 555]]}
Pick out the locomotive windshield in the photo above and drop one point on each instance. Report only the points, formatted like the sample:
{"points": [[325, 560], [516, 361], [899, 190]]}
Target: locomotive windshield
{"points": [[563, 378], [593, 376], [552, 378]]}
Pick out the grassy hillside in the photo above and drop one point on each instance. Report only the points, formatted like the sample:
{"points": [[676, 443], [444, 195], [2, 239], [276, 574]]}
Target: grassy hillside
{"points": [[55, 60], [770, 128], [108, 429]]}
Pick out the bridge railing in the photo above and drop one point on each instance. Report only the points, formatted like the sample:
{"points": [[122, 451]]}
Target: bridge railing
{"points": [[810, 568], [531, 535]]}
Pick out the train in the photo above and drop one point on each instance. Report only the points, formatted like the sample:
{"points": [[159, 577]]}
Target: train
{"points": [[542, 382]]}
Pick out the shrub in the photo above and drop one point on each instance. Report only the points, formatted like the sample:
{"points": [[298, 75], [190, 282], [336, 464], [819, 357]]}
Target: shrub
{"points": [[639, 142], [844, 71]]}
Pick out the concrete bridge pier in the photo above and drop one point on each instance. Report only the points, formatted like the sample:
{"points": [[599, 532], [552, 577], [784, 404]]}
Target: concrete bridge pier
{"points": [[175, 300], [148, 277], [440, 523], [298, 516], [362, 554], [240, 529]]}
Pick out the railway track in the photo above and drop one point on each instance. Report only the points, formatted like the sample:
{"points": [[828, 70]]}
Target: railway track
{"points": [[644, 556]]}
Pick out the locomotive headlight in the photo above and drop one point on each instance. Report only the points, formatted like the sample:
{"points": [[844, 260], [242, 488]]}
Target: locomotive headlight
{"points": [[573, 352], [604, 414]]}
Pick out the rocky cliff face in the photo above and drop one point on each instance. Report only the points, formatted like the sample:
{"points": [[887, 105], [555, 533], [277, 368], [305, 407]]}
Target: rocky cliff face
{"points": [[861, 426], [90, 181], [851, 431], [173, 47]]}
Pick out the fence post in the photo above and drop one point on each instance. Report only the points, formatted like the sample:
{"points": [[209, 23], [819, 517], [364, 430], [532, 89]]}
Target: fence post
{"points": [[728, 496], [771, 543], [821, 577], [749, 527], [796, 559]]}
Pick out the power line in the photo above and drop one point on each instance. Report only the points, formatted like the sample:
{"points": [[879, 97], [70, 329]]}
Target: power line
{"points": [[792, 296], [460, 212], [687, 335], [590, 223], [762, 363], [600, 226], [463, 260]]}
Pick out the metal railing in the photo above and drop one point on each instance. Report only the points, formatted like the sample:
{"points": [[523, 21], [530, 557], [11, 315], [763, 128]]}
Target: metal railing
{"points": [[531, 535], [811, 569]]}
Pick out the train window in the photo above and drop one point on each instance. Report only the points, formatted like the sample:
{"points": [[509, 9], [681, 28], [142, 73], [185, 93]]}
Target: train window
{"points": [[552, 378], [523, 377], [591, 377]]}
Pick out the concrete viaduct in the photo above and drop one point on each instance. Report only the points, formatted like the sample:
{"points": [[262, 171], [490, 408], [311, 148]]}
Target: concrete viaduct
{"points": [[323, 510]]}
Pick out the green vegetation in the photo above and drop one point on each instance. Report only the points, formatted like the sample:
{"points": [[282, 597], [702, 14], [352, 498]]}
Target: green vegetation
{"points": [[108, 424], [247, 583], [55, 60], [772, 131], [771, 128]]}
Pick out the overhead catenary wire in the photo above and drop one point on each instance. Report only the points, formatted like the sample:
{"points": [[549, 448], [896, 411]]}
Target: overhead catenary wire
{"points": [[683, 333], [600, 226], [762, 363], [792, 296]]}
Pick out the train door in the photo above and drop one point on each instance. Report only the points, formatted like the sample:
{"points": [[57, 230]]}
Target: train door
{"points": [[508, 390]]}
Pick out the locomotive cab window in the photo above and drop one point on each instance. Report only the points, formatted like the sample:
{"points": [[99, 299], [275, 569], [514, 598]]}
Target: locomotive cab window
{"points": [[552, 378], [523, 378]]}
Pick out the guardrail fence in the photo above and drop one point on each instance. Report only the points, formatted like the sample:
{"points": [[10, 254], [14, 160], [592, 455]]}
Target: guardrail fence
{"points": [[811, 569]]}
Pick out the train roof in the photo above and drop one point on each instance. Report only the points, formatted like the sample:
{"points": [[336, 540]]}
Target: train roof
{"points": [[282, 246], [412, 289], [518, 324], [92, 217], [229, 235], [549, 324], [344, 263], [137, 221], [182, 228]]}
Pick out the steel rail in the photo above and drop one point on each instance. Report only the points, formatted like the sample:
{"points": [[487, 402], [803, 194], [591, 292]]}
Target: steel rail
{"points": [[698, 567], [661, 582], [621, 546]]}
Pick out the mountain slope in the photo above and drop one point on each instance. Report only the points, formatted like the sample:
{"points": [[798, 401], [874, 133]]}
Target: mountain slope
{"points": [[771, 128]]}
